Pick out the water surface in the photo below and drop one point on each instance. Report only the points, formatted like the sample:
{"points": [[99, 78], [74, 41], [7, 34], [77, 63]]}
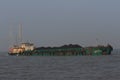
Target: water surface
{"points": [[60, 68]]}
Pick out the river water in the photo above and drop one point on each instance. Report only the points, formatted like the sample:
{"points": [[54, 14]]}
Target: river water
{"points": [[60, 68]]}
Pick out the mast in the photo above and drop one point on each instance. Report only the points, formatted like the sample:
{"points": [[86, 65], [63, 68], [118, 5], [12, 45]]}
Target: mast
{"points": [[20, 33], [97, 41], [11, 43]]}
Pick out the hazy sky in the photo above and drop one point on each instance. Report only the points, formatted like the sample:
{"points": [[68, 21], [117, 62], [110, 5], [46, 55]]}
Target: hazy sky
{"points": [[58, 22]]}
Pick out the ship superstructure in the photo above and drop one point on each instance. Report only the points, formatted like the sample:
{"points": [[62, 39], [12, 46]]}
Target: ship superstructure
{"points": [[15, 50], [20, 47]]}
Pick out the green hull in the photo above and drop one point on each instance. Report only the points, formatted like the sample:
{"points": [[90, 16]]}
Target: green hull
{"points": [[67, 51]]}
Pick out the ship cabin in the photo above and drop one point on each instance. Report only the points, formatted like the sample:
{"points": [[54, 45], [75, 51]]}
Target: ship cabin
{"points": [[16, 49], [27, 46]]}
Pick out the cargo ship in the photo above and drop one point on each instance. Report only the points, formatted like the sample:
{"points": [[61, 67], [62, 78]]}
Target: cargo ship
{"points": [[28, 49]]}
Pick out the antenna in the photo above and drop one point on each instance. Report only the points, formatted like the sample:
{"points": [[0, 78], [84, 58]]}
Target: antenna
{"points": [[20, 33]]}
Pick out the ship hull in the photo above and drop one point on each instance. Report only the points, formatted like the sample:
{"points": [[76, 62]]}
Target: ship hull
{"points": [[68, 51]]}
